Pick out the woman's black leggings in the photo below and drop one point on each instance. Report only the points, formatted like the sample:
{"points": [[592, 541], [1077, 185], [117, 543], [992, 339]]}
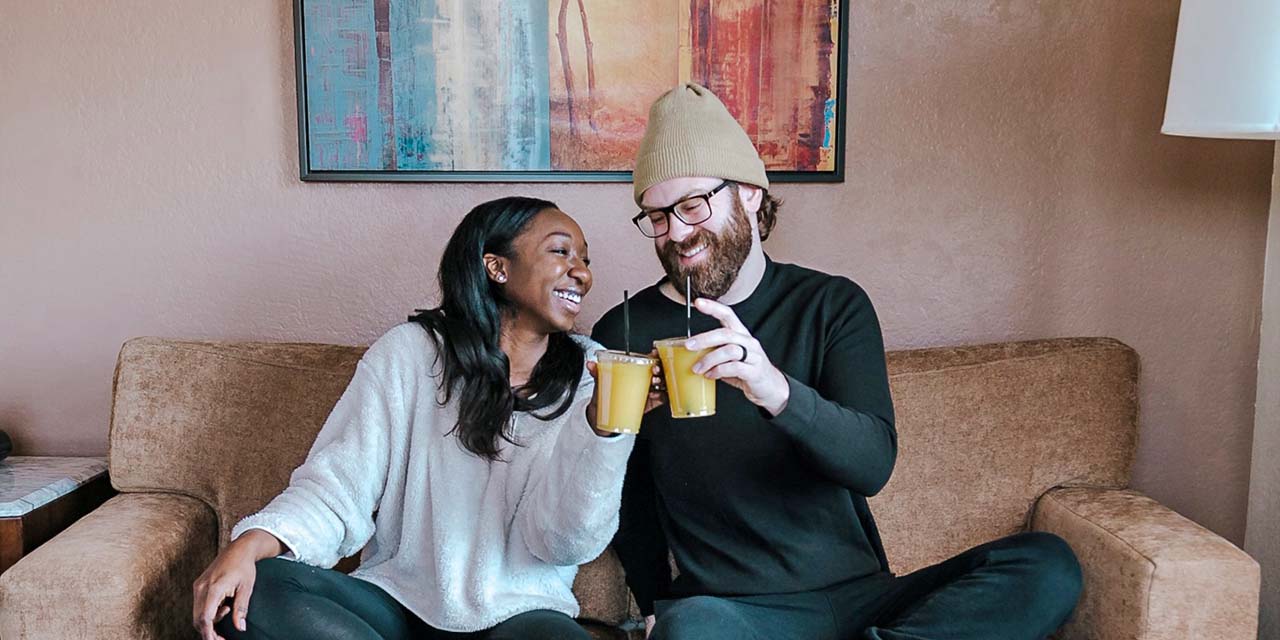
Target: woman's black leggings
{"points": [[294, 600]]}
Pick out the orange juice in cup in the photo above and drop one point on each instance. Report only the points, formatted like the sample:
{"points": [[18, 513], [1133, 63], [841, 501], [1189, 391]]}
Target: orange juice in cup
{"points": [[690, 395], [622, 389]]}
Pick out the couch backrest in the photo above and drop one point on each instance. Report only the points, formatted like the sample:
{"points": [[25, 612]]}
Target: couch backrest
{"points": [[983, 431], [226, 423]]}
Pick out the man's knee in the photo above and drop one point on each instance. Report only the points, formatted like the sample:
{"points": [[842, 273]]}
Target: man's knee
{"points": [[699, 617], [1055, 576]]}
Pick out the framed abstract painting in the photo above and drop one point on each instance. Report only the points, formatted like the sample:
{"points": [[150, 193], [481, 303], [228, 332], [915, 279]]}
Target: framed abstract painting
{"points": [[557, 90]]}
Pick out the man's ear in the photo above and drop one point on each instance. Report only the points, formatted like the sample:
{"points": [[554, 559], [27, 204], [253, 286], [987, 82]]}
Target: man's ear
{"points": [[751, 197], [496, 267]]}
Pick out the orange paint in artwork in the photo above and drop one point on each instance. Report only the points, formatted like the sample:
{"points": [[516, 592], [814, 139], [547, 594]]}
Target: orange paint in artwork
{"points": [[772, 63], [635, 59]]}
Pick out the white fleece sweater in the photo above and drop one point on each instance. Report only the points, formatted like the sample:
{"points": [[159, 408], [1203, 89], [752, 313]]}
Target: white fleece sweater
{"points": [[461, 542]]}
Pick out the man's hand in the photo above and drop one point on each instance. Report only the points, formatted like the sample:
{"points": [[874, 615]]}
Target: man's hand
{"points": [[648, 625], [738, 359]]}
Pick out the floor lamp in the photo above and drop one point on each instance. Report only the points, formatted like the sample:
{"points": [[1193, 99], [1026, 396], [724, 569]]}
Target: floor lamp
{"points": [[1225, 83]]}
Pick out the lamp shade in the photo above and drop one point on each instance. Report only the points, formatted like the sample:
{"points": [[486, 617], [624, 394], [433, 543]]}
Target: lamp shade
{"points": [[1225, 81]]}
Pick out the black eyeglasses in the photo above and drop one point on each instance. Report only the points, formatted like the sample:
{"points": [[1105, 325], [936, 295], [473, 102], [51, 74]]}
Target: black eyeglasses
{"points": [[693, 210]]}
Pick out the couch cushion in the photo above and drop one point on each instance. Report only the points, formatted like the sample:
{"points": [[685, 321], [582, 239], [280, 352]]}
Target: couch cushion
{"points": [[984, 430]]}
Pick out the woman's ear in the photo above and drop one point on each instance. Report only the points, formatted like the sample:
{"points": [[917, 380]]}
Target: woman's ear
{"points": [[496, 267]]}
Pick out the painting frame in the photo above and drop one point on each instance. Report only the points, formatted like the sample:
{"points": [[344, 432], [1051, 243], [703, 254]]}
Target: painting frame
{"points": [[308, 173]]}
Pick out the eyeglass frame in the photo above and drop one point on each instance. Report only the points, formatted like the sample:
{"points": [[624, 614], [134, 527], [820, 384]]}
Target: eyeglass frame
{"points": [[670, 210]]}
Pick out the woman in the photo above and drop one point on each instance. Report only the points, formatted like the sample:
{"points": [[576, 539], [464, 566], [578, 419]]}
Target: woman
{"points": [[468, 431]]}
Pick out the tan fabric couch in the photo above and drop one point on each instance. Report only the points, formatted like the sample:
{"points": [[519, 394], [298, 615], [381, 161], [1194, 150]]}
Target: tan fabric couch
{"points": [[995, 438]]}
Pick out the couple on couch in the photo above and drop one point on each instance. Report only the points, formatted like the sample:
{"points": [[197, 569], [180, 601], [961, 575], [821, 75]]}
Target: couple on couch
{"points": [[470, 433]]}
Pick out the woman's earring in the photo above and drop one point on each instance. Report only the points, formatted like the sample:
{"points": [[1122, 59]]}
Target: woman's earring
{"points": [[501, 277]]}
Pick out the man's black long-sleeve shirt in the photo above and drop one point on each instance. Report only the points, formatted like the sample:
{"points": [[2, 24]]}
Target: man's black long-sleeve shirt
{"points": [[751, 504]]}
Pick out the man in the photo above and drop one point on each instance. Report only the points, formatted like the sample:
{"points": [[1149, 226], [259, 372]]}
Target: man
{"points": [[763, 505]]}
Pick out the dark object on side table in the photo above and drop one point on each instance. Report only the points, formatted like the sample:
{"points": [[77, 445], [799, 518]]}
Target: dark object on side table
{"points": [[6, 445]]}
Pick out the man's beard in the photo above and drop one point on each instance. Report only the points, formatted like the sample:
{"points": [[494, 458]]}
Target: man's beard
{"points": [[726, 253]]}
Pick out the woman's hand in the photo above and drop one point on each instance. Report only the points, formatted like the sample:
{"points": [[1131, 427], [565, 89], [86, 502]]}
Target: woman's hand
{"points": [[657, 385], [648, 625], [592, 405], [657, 393], [230, 577]]}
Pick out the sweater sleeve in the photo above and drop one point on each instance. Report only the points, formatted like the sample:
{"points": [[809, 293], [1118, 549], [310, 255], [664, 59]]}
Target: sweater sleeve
{"points": [[326, 512], [844, 424], [640, 544], [571, 510]]}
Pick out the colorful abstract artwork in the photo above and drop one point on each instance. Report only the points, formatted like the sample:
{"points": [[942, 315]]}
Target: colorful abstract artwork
{"points": [[557, 89]]}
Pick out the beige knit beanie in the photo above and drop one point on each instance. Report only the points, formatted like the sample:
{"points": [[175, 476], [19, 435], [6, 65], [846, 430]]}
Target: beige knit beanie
{"points": [[690, 134]]}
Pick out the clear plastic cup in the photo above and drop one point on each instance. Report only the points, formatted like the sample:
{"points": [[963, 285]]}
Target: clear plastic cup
{"points": [[689, 395], [622, 389]]}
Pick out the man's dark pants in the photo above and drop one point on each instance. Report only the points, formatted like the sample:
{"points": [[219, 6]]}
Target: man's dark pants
{"points": [[1020, 587]]}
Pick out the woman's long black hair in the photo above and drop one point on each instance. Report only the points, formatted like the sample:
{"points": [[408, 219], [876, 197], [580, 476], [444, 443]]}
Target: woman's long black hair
{"points": [[467, 324]]}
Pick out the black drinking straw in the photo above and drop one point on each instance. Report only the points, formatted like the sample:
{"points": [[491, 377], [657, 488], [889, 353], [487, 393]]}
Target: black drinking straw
{"points": [[688, 309], [626, 319]]}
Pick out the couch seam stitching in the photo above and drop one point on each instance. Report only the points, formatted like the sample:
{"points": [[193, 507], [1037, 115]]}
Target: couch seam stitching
{"points": [[963, 367], [225, 356]]}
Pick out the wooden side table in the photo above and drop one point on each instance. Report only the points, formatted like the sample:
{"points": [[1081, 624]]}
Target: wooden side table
{"points": [[40, 496]]}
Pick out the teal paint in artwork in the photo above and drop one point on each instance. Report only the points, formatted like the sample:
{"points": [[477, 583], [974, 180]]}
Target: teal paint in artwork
{"points": [[413, 86], [506, 81], [464, 86], [523, 34], [828, 116], [345, 127]]}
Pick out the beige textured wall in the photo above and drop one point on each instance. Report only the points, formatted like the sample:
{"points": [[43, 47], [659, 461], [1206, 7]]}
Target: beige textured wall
{"points": [[1262, 537], [1006, 180]]}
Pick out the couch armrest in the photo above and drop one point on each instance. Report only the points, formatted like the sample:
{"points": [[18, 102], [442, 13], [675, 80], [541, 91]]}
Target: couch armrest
{"points": [[125, 570], [1149, 573]]}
